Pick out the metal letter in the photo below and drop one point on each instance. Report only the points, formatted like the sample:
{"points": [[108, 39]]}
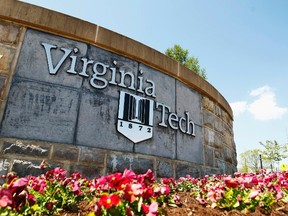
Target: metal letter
{"points": [[72, 67], [188, 125], [151, 88], [85, 64], [164, 107], [173, 117], [48, 48], [96, 78], [180, 124], [122, 82]]}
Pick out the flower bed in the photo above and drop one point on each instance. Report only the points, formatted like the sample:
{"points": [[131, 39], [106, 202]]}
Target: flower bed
{"points": [[128, 193]]}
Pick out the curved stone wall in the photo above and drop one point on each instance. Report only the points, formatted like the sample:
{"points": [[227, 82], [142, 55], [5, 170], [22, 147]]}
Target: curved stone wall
{"points": [[88, 99]]}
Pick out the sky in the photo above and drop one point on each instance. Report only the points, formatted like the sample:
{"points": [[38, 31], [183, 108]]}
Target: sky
{"points": [[242, 44]]}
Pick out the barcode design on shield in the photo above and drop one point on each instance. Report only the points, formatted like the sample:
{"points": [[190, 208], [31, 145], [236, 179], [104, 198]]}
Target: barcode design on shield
{"points": [[135, 117], [136, 109]]}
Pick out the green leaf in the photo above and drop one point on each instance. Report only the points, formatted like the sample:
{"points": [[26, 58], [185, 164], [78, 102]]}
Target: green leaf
{"points": [[140, 204]]}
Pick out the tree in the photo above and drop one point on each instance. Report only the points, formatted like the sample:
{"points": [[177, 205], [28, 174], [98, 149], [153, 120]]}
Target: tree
{"points": [[250, 161], [273, 152], [182, 56]]}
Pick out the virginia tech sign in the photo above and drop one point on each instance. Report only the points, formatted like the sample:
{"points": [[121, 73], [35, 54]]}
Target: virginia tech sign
{"points": [[135, 112]]}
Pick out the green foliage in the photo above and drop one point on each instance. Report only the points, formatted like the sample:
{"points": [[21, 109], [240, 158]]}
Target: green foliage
{"points": [[273, 152], [250, 160], [182, 56]]}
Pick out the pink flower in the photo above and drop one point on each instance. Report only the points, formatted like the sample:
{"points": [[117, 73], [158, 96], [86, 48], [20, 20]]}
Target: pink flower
{"points": [[201, 201], [6, 197], [212, 195], [66, 181], [162, 190], [231, 182], [254, 194], [76, 189], [279, 192], [153, 208], [20, 182], [136, 189], [38, 185], [165, 190], [76, 176], [132, 192], [18, 185], [177, 199], [129, 174], [146, 178], [99, 183], [56, 174]]}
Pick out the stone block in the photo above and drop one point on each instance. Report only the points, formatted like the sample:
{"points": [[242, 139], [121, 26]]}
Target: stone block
{"points": [[218, 141], [208, 119], [1, 146], [41, 112], [227, 128], [218, 111], [226, 118], [6, 57], [222, 166], [3, 80], [112, 61], [228, 139], [164, 169], [209, 137], [5, 165], [209, 156], [23, 168], [208, 104], [210, 171], [91, 156], [32, 167], [165, 86], [188, 100], [118, 163], [231, 169], [9, 33], [89, 172], [33, 64], [234, 161], [228, 155], [182, 170], [190, 148], [219, 154], [25, 149], [162, 143], [65, 153], [97, 123], [219, 125]]}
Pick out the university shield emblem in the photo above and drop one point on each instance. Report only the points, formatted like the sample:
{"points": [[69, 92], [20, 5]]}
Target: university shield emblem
{"points": [[135, 117]]}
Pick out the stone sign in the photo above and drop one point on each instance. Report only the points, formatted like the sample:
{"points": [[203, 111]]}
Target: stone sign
{"points": [[68, 92], [87, 99]]}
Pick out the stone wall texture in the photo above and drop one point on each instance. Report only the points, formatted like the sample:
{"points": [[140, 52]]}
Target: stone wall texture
{"points": [[68, 117]]}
